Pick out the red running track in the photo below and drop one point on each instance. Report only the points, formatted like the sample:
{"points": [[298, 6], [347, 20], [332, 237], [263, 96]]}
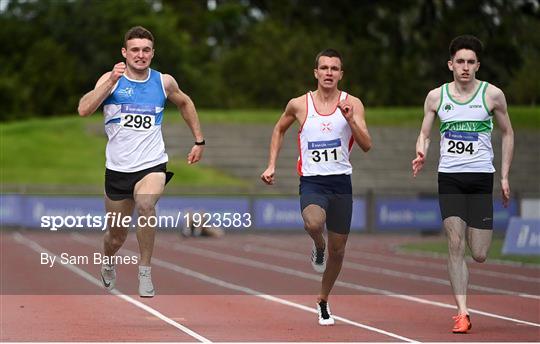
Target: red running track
{"points": [[255, 288]]}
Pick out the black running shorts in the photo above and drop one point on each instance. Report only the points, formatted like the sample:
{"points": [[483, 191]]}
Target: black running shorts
{"points": [[120, 185], [468, 196], [333, 194]]}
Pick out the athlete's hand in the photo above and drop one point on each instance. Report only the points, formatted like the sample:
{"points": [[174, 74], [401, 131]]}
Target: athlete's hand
{"points": [[117, 71], [505, 190], [195, 154], [418, 163], [268, 176], [347, 109]]}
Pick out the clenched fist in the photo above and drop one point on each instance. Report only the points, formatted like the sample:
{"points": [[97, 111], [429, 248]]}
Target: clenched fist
{"points": [[347, 109], [117, 71]]}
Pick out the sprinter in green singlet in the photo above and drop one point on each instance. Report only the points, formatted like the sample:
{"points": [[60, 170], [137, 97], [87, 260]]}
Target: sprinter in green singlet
{"points": [[466, 108]]}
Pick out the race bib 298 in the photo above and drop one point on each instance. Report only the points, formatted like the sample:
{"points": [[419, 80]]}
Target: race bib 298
{"points": [[137, 116]]}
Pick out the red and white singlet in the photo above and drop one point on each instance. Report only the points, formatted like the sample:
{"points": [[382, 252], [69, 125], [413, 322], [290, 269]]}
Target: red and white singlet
{"points": [[324, 142]]}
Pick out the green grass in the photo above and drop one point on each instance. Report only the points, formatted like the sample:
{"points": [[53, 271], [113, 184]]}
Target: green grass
{"points": [[495, 251], [194, 175], [254, 116], [375, 116], [525, 117], [521, 116], [60, 151]]}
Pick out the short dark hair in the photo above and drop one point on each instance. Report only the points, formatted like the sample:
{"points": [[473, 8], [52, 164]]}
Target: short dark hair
{"points": [[469, 42], [137, 32], [328, 53]]}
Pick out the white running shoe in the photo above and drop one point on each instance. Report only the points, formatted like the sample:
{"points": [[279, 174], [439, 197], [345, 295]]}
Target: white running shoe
{"points": [[108, 276], [146, 288], [318, 260], [325, 317]]}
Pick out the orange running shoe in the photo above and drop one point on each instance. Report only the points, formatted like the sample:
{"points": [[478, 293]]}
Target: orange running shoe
{"points": [[462, 323]]}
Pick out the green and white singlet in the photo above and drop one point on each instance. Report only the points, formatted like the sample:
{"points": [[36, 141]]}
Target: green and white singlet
{"points": [[465, 133]]}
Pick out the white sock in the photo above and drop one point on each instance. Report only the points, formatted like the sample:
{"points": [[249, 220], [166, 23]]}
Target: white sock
{"points": [[144, 269]]}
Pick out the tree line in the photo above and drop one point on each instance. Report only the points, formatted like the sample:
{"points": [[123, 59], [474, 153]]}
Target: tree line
{"points": [[260, 53]]}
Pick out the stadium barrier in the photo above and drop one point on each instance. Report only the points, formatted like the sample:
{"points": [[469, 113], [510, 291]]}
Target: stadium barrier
{"points": [[370, 213]]}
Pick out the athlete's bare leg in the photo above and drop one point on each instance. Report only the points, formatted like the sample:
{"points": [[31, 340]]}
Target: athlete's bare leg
{"points": [[336, 253], [455, 229], [314, 220], [116, 236], [147, 192], [479, 241]]}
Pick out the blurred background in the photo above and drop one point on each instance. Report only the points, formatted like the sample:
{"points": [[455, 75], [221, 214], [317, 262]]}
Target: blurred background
{"points": [[259, 53], [241, 61]]}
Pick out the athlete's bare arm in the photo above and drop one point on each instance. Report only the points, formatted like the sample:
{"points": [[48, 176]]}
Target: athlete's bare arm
{"points": [[353, 111], [188, 112], [294, 111], [90, 102], [496, 100], [422, 143]]}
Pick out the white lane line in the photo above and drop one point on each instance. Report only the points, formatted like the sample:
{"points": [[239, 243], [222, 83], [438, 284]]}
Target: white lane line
{"points": [[297, 273], [416, 263], [246, 290], [500, 262], [404, 258], [352, 253], [39, 249], [388, 272]]}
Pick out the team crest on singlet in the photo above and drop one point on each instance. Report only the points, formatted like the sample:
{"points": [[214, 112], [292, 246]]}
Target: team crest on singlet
{"points": [[125, 93], [326, 127], [448, 107]]}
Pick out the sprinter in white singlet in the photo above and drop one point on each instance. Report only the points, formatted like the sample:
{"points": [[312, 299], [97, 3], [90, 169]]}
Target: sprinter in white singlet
{"points": [[330, 122], [133, 97], [466, 108]]}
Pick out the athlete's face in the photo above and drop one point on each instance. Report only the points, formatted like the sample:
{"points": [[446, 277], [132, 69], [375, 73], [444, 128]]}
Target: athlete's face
{"points": [[464, 65], [329, 72], [138, 53]]}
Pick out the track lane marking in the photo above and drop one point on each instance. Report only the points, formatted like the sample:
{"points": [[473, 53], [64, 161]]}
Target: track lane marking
{"points": [[310, 276], [78, 271], [246, 290], [389, 272], [404, 258]]}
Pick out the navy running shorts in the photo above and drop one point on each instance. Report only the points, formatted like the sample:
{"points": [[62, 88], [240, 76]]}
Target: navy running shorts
{"points": [[468, 196], [332, 193], [120, 185]]}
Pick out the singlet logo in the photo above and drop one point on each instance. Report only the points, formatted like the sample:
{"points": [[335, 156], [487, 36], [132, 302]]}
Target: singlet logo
{"points": [[475, 106], [326, 127], [448, 107], [126, 92]]}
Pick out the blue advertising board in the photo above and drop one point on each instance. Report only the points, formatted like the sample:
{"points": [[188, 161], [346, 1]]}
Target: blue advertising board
{"points": [[174, 205], [11, 210], [284, 213], [407, 213], [51, 211], [502, 215], [227, 212], [266, 213], [62, 212], [424, 214], [522, 237]]}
